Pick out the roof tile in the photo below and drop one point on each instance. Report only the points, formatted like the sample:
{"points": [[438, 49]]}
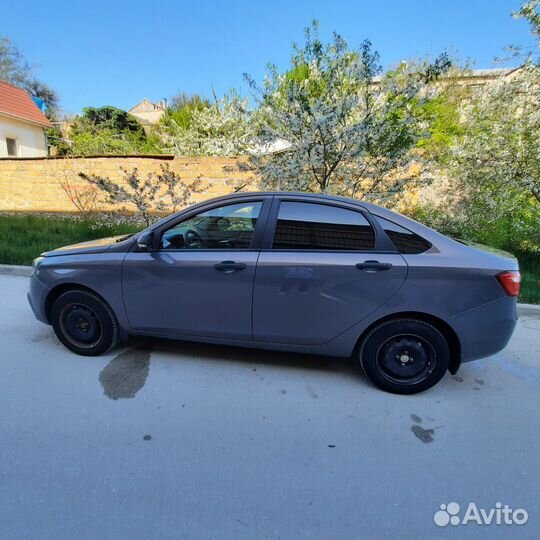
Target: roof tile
{"points": [[17, 103]]}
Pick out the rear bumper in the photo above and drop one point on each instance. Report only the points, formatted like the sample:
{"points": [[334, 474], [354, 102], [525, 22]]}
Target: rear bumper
{"points": [[36, 298], [485, 330]]}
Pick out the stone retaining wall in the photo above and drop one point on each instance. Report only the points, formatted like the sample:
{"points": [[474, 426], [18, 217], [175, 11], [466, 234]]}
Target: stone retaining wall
{"points": [[35, 185]]}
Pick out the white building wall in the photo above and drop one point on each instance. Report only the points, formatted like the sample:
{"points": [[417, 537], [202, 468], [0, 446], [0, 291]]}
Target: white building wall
{"points": [[31, 141]]}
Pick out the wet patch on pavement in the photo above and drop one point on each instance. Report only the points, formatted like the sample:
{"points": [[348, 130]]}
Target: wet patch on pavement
{"points": [[126, 373], [425, 435]]}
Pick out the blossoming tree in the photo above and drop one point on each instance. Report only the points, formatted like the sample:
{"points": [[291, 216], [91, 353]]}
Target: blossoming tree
{"points": [[342, 127]]}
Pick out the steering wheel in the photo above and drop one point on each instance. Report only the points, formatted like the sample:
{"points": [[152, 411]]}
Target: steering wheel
{"points": [[193, 238]]}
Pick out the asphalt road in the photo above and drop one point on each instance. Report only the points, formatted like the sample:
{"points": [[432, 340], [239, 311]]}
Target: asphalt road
{"points": [[172, 440]]}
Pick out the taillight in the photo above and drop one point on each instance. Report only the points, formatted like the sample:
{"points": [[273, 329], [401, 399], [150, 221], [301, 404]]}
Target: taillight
{"points": [[510, 282]]}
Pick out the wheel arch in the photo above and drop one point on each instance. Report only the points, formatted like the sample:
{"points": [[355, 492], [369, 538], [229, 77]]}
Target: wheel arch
{"points": [[60, 289], [446, 330]]}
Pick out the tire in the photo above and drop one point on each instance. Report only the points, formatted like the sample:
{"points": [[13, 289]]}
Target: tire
{"points": [[84, 323], [404, 356]]}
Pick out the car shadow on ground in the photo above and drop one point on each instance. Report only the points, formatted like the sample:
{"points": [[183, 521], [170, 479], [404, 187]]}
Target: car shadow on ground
{"points": [[209, 352], [127, 372]]}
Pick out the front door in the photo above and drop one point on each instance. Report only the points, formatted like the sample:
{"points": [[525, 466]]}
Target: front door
{"points": [[200, 280], [322, 275]]}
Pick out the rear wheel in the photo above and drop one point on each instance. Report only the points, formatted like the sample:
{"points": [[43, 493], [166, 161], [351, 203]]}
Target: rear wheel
{"points": [[84, 323], [404, 356]]}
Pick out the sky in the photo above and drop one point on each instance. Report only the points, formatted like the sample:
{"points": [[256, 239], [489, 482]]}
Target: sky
{"points": [[117, 52]]}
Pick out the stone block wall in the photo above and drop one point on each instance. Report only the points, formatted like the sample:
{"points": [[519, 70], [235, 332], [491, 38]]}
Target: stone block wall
{"points": [[35, 185]]}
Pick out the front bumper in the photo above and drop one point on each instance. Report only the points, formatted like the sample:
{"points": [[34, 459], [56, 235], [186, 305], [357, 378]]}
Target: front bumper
{"points": [[37, 296], [487, 329]]}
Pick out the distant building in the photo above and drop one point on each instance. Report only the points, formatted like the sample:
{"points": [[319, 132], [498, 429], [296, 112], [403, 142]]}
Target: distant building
{"points": [[149, 113], [22, 124], [472, 78]]}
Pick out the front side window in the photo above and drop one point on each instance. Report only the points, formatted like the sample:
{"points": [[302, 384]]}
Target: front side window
{"points": [[406, 241], [223, 227], [315, 226]]}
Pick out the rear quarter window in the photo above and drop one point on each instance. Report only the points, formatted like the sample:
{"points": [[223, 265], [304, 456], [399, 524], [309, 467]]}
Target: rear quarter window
{"points": [[406, 241]]}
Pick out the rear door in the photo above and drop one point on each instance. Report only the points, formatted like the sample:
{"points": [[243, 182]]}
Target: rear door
{"points": [[323, 268]]}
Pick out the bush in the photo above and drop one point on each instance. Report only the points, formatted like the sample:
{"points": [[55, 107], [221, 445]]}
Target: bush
{"points": [[518, 233]]}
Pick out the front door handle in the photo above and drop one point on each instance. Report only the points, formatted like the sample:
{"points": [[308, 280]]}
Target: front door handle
{"points": [[373, 266], [229, 266]]}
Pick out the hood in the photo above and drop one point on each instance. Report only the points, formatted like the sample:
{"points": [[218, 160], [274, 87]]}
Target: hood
{"points": [[93, 246]]}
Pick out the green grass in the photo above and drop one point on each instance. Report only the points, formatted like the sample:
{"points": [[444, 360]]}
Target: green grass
{"points": [[529, 264], [23, 238]]}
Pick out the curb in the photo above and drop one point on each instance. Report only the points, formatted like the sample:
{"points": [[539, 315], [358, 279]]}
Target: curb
{"points": [[26, 271], [15, 270], [528, 309]]}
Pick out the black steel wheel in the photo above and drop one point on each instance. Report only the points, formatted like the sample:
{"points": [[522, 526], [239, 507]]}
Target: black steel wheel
{"points": [[84, 323], [404, 356]]}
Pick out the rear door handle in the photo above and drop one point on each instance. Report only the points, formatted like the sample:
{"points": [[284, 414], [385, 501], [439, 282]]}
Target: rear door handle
{"points": [[229, 266], [373, 266]]}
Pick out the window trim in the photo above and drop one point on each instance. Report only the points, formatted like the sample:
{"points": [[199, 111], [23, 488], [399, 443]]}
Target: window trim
{"points": [[191, 212], [382, 244]]}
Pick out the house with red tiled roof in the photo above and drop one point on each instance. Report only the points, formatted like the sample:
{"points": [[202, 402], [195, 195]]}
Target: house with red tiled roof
{"points": [[22, 124]]}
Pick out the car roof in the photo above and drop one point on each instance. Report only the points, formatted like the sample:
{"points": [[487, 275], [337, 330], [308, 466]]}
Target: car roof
{"points": [[373, 208], [299, 194]]}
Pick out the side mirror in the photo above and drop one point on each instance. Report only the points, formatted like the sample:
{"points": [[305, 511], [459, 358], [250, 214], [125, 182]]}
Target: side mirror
{"points": [[146, 241]]}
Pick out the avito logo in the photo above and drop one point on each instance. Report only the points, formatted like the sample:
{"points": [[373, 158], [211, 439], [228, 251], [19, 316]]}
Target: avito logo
{"points": [[501, 514]]}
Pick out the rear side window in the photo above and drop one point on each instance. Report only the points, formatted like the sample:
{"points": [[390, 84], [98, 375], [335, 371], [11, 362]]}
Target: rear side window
{"points": [[321, 227], [405, 241]]}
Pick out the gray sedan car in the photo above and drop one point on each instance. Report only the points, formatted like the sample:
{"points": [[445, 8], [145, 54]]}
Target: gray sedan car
{"points": [[291, 272]]}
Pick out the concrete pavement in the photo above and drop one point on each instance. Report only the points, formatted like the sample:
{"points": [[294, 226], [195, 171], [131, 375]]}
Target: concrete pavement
{"points": [[168, 440]]}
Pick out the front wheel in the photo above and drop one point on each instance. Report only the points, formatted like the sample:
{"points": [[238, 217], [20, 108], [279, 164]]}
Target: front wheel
{"points": [[84, 323], [404, 356]]}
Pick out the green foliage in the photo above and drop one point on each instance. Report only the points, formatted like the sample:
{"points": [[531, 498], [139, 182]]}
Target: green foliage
{"points": [[25, 237], [98, 119], [517, 231], [109, 142], [110, 131], [56, 139], [530, 278], [441, 116], [491, 161], [492, 164], [182, 109]]}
